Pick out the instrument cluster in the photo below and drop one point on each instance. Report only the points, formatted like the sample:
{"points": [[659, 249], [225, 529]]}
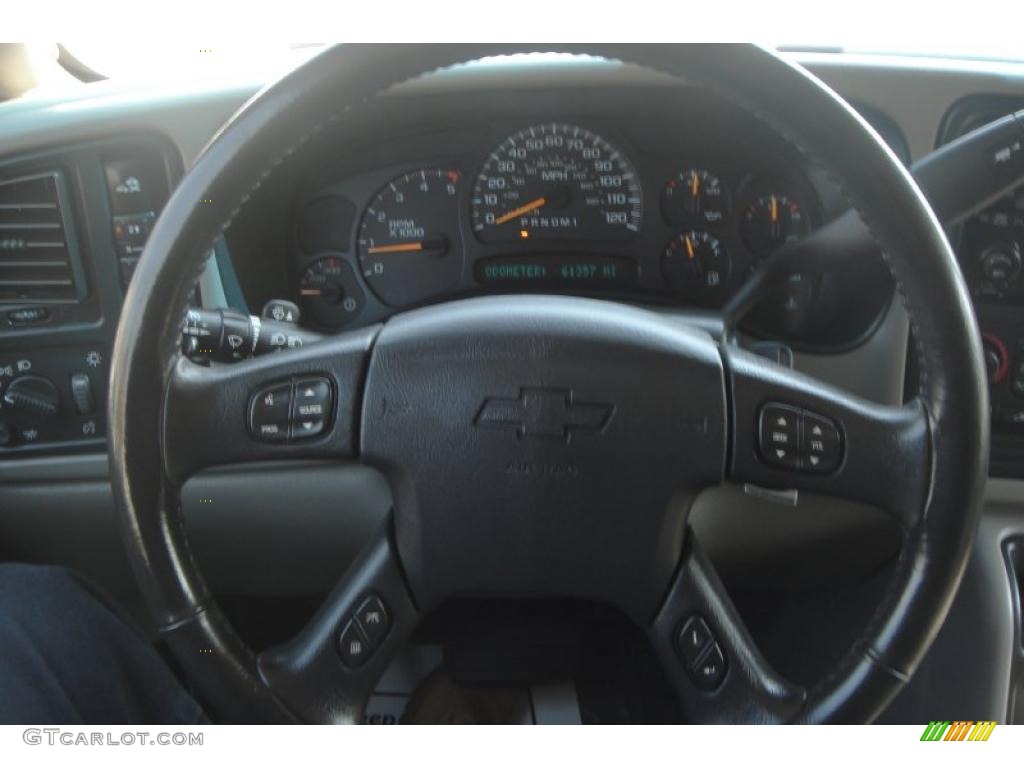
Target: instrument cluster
{"points": [[552, 207]]}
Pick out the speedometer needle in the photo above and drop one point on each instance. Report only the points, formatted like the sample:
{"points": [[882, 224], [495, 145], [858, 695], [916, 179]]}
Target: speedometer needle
{"points": [[530, 206]]}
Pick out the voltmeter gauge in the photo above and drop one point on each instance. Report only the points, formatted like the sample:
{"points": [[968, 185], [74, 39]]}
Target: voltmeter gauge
{"points": [[771, 220]]}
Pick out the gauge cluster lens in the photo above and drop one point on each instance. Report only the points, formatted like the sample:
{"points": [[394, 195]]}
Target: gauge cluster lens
{"points": [[555, 207], [556, 182], [408, 244], [695, 197], [695, 263]]}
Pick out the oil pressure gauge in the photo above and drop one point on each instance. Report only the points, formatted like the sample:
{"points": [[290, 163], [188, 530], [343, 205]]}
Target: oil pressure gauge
{"points": [[695, 197]]}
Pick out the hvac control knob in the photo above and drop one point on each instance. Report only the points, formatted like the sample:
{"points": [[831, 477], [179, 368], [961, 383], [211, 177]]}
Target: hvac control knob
{"points": [[997, 358], [1000, 264], [31, 399]]}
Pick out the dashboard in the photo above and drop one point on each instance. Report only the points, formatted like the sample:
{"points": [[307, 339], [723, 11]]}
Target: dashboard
{"points": [[678, 169], [668, 197], [582, 181], [989, 247]]}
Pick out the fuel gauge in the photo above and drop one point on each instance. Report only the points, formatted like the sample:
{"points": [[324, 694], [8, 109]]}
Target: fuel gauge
{"points": [[695, 263]]}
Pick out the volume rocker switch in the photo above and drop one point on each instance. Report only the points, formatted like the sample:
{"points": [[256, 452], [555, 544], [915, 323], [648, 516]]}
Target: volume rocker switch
{"points": [[312, 407]]}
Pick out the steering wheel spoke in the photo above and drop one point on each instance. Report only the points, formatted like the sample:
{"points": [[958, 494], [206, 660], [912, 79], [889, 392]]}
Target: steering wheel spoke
{"points": [[301, 403], [791, 431], [326, 673], [709, 656]]}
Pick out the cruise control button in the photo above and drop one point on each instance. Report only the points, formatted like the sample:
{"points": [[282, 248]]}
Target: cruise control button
{"points": [[710, 669], [821, 444], [693, 638], [780, 435], [373, 619], [268, 413], [352, 645]]}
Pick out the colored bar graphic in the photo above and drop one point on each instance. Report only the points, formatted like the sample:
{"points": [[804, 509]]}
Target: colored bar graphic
{"points": [[958, 730]]}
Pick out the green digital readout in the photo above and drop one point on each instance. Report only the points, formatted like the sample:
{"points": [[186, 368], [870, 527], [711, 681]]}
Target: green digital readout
{"points": [[555, 268], [590, 271], [515, 272]]}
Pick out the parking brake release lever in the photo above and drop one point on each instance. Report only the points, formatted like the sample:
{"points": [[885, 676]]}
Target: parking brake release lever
{"points": [[227, 336]]}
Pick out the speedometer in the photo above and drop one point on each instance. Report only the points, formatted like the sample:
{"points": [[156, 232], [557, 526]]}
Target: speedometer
{"points": [[556, 182]]}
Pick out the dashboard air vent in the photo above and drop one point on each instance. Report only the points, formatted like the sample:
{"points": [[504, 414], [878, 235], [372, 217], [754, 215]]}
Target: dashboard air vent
{"points": [[37, 255]]}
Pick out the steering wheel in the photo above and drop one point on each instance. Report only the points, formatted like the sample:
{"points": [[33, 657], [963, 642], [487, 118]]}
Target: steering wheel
{"points": [[546, 446]]}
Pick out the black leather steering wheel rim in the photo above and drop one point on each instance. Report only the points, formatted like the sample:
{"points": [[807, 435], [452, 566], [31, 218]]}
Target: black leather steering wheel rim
{"points": [[283, 118]]}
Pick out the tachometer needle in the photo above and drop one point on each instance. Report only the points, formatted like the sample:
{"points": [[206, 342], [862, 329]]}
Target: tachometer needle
{"points": [[530, 206], [689, 248], [431, 246], [396, 248]]}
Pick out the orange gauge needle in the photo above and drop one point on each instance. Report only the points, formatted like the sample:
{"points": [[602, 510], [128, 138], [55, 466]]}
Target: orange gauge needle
{"points": [[694, 184], [396, 248], [530, 206], [689, 247], [775, 209]]}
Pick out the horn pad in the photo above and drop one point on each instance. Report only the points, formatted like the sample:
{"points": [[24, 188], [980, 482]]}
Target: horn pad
{"points": [[543, 446]]}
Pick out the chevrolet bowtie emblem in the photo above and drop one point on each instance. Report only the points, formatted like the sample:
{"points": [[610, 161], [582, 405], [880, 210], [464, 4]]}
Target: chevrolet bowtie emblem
{"points": [[540, 412]]}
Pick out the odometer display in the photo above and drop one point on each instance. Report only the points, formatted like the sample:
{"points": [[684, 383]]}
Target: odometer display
{"points": [[555, 269], [556, 182]]}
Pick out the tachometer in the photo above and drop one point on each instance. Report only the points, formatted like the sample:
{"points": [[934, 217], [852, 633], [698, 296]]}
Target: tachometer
{"points": [[408, 238], [556, 182]]}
